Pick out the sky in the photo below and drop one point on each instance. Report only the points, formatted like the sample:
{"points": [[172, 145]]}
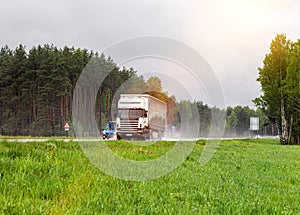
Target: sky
{"points": [[233, 36]]}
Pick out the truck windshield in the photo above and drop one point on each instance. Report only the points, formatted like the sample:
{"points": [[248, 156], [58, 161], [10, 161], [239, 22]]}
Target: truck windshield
{"points": [[131, 114], [110, 126]]}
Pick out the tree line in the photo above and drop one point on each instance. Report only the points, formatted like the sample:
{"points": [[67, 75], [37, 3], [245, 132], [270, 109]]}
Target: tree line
{"points": [[37, 90], [234, 120], [36, 87]]}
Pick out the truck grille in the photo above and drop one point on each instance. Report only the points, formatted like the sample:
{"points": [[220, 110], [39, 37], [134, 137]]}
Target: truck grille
{"points": [[128, 125]]}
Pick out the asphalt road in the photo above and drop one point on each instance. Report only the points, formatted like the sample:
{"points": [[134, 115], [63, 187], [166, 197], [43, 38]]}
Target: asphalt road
{"points": [[25, 140]]}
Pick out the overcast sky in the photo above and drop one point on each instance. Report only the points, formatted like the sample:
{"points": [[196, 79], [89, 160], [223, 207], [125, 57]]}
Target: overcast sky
{"points": [[233, 35]]}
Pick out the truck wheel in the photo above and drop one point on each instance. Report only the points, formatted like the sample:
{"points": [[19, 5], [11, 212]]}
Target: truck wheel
{"points": [[147, 136], [159, 136]]}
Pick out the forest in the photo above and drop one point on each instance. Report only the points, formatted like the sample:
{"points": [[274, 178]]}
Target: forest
{"points": [[37, 88]]}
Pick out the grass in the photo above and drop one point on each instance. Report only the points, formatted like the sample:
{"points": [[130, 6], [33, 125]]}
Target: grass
{"points": [[243, 177]]}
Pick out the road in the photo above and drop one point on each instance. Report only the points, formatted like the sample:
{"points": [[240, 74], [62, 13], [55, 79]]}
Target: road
{"points": [[25, 140]]}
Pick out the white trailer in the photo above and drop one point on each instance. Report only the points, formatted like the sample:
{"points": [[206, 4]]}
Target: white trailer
{"points": [[141, 116]]}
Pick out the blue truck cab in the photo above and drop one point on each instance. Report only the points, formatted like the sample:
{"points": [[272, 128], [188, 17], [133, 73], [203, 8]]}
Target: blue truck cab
{"points": [[110, 131]]}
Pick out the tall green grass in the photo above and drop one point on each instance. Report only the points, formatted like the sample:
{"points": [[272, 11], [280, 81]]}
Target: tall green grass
{"points": [[243, 177]]}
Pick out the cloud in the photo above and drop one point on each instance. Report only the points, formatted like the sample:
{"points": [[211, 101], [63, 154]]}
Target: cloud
{"points": [[233, 36]]}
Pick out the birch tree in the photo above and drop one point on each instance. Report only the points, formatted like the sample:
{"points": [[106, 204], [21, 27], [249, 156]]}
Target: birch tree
{"points": [[272, 78]]}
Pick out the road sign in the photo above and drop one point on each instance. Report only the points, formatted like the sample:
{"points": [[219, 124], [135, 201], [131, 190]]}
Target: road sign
{"points": [[67, 127], [254, 123]]}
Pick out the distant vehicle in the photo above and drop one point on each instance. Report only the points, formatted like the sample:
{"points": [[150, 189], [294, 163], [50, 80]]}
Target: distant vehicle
{"points": [[110, 132], [141, 116]]}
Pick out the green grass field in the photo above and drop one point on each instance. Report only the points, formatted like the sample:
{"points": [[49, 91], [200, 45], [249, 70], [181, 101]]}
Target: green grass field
{"points": [[243, 177]]}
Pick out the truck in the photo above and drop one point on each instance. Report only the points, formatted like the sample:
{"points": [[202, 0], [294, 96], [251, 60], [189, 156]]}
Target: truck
{"points": [[141, 116], [110, 132]]}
